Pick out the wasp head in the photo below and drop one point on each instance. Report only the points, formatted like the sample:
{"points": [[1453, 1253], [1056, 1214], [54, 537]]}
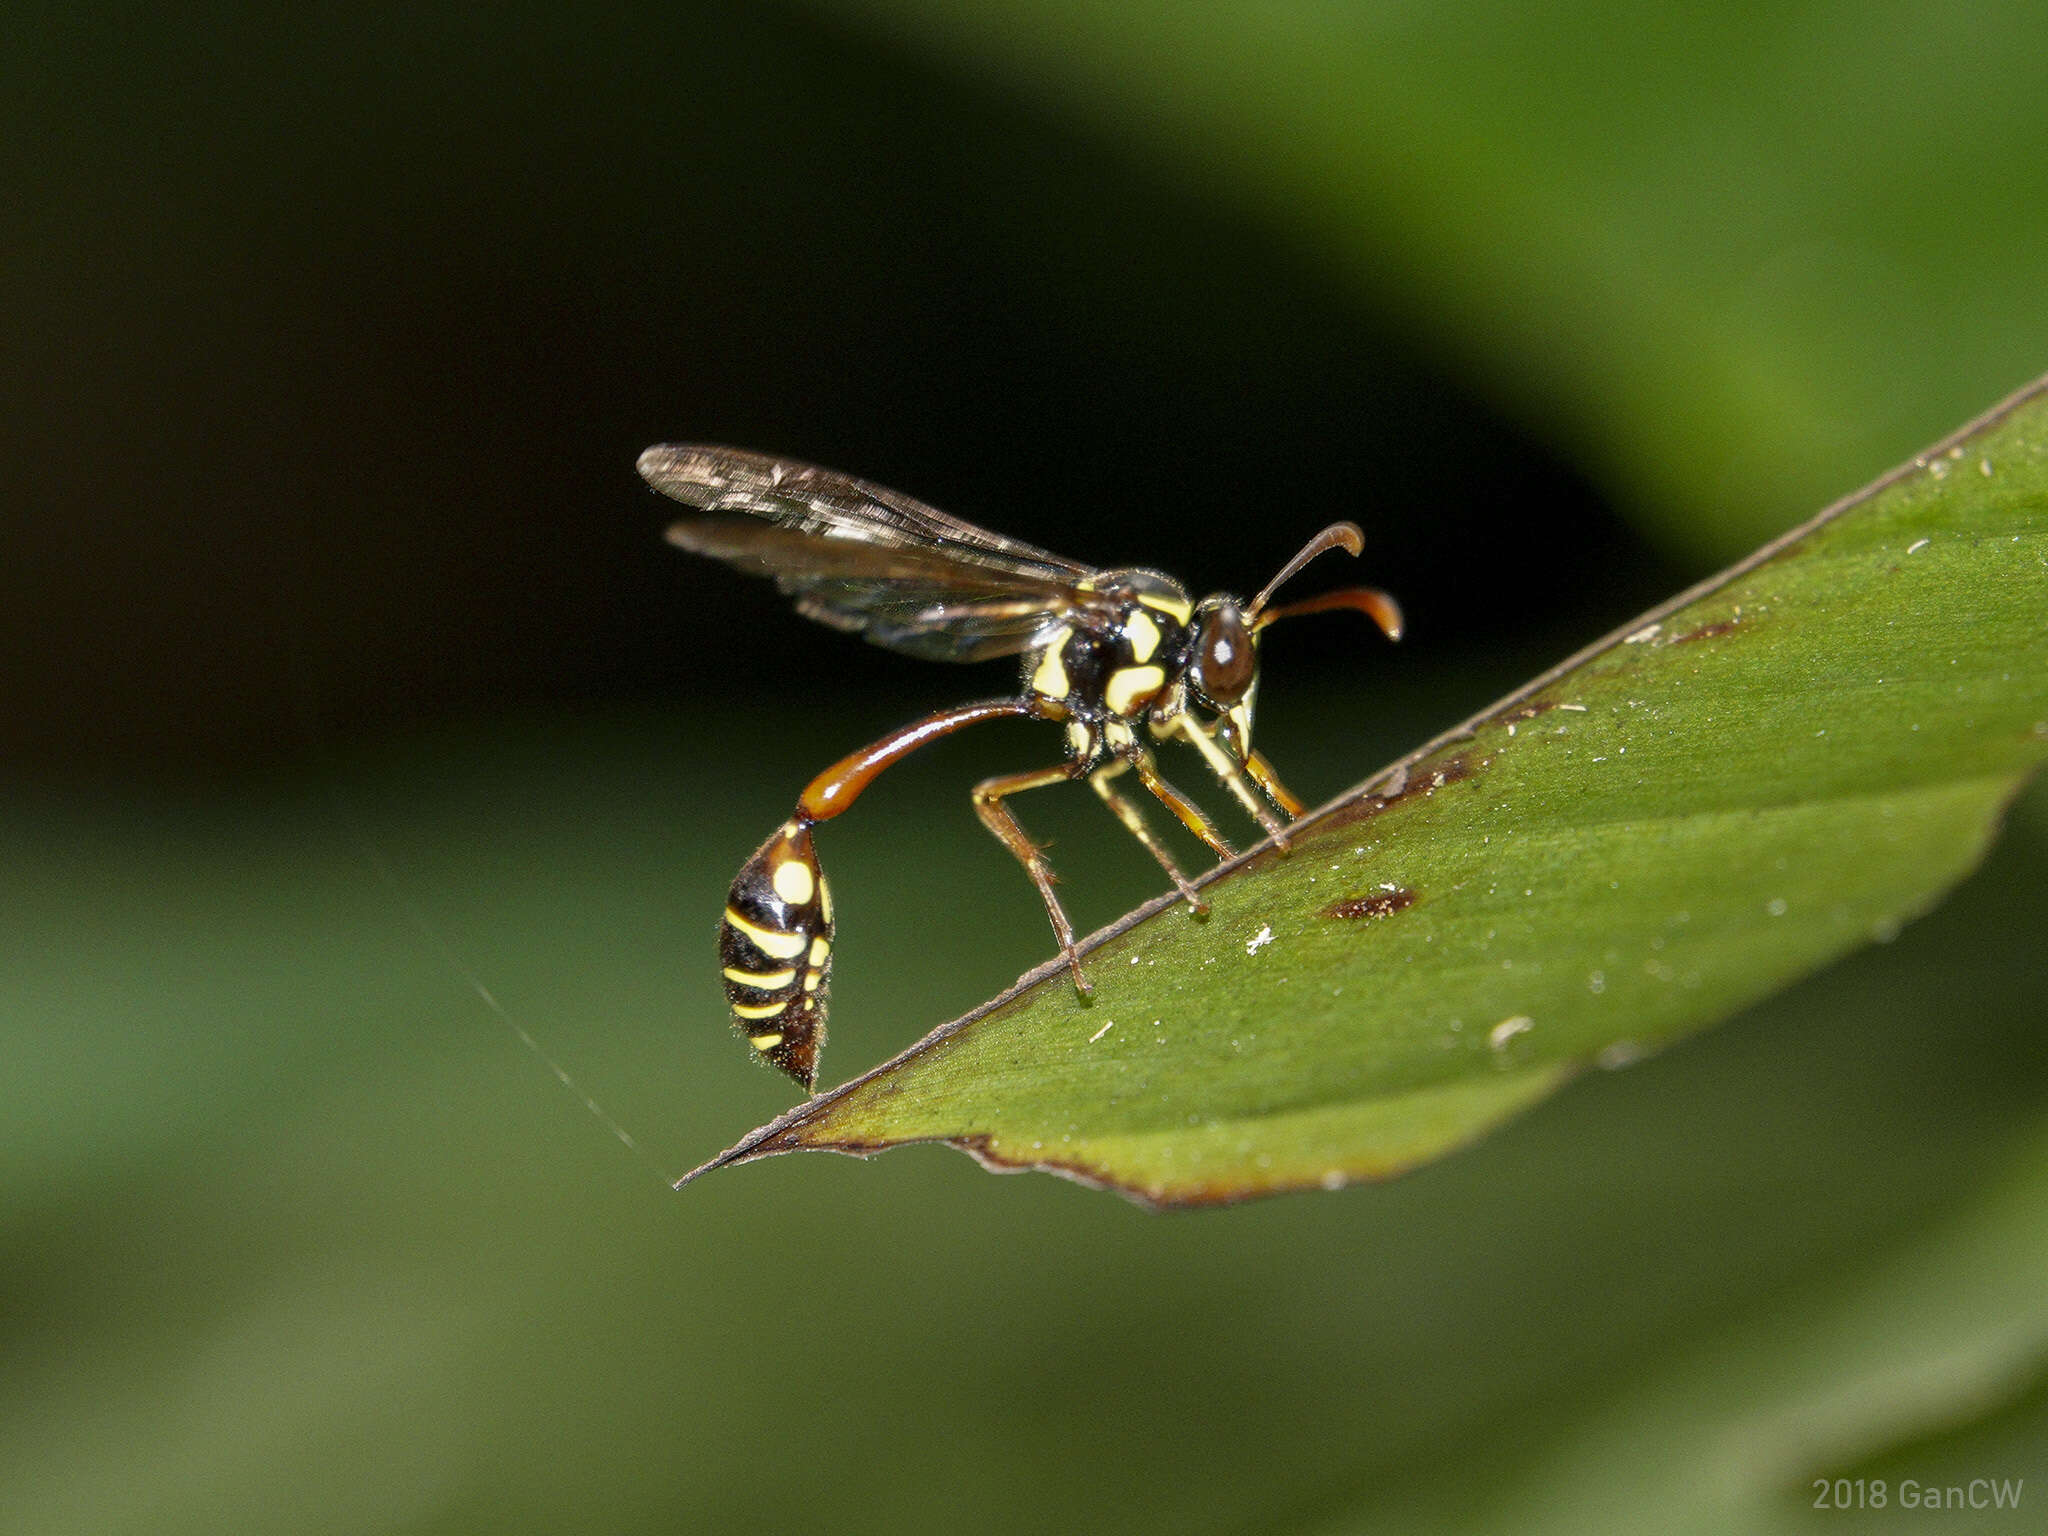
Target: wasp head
{"points": [[1223, 670]]}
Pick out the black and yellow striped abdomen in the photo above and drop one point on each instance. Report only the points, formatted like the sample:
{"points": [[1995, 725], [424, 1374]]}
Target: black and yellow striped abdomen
{"points": [[775, 951]]}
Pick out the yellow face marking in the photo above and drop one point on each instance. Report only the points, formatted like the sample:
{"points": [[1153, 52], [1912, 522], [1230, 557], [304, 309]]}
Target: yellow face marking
{"points": [[1143, 635], [766, 1042], [820, 948], [811, 980], [1051, 677], [1127, 685], [777, 946], [1174, 608], [766, 981], [793, 882], [756, 1010]]}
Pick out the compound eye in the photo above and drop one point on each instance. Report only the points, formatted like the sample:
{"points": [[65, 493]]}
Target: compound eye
{"points": [[1224, 663]]}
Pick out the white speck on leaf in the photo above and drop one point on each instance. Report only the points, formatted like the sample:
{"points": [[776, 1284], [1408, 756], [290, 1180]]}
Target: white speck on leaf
{"points": [[1106, 1028], [1918, 545], [1506, 1030], [1260, 939]]}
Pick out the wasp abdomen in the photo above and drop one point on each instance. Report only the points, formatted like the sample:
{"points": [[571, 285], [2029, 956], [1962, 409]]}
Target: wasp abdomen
{"points": [[775, 951]]}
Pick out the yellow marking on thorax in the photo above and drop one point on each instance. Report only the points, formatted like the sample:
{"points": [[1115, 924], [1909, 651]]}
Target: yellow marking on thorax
{"points": [[757, 1010], [1078, 739], [766, 1042], [1177, 609], [767, 981], [820, 948], [1127, 685], [777, 946], [824, 899], [793, 882], [1143, 635], [811, 980], [1051, 677]]}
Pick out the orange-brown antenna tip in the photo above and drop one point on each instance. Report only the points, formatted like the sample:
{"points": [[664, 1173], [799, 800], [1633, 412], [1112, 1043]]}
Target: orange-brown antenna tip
{"points": [[1371, 602], [1387, 614]]}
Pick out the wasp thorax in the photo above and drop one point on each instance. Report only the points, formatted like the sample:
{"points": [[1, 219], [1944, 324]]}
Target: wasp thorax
{"points": [[1224, 663]]}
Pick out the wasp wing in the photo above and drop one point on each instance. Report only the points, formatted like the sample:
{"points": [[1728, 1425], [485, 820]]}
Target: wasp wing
{"points": [[864, 558], [913, 600]]}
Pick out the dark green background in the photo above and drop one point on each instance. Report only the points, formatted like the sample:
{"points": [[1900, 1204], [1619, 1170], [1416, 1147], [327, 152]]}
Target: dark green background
{"points": [[343, 664]]}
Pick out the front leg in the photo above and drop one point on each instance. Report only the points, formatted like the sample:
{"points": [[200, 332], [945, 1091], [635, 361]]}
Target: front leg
{"points": [[1263, 775], [1227, 768]]}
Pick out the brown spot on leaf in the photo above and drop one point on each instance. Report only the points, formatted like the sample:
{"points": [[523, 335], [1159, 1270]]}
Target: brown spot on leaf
{"points": [[1381, 903], [1706, 632], [1406, 786]]}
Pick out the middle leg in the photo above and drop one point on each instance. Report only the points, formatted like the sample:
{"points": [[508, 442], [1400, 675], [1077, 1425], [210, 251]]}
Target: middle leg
{"points": [[1134, 822], [988, 805]]}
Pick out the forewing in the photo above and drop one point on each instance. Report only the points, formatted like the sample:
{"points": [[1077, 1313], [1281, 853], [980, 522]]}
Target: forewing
{"points": [[863, 558], [914, 600]]}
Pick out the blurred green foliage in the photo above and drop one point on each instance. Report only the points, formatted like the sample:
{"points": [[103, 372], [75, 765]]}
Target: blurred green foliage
{"points": [[1714, 249], [340, 331]]}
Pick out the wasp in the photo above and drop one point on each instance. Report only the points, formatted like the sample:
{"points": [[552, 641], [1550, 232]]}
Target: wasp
{"points": [[1105, 652]]}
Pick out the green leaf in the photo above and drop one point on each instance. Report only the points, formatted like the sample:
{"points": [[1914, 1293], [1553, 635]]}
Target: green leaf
{"points": [[1786, 762]]}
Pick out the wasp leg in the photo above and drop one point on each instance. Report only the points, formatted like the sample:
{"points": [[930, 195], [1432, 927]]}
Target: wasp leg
{"points": [[988, 805], [1228, 769], [1191, 815], [1263, 775], [1134, 822]]}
